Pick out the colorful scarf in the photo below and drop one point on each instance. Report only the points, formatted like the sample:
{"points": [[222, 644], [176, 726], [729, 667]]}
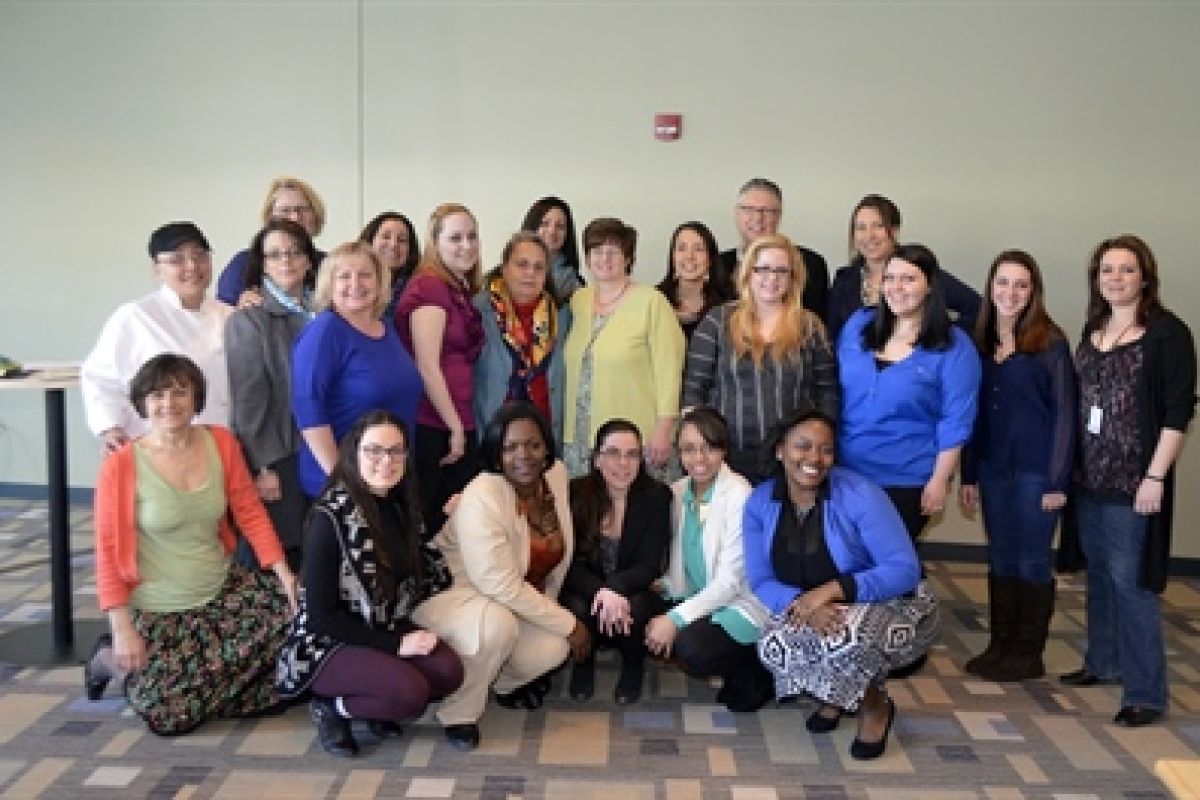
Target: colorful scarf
{"points": [[530, 354]]}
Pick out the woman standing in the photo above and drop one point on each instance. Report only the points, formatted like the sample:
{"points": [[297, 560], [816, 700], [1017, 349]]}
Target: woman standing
{"points": [[695, 281], [622, 520], [874, 228], [258, 353], [715, 619], [524, 332], [353, 643], [508, 543], [347, 361], [394, 239], [763, 356], [1137, 381], [827, 554], [1019, 462], [909, 386], [550, 218], [624, 353], [444, 332], [194, 634]]}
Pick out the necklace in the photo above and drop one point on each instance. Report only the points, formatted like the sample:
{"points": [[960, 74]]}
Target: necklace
{"points": [[1117, 340], [602, 306], [868, 289]]}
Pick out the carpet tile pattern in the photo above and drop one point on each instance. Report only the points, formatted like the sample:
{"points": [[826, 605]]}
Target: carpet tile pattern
{"points": [[955, 738]]}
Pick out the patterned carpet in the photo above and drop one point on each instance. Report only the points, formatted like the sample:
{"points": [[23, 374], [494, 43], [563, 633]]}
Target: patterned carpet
{"points": [[955, 737]]}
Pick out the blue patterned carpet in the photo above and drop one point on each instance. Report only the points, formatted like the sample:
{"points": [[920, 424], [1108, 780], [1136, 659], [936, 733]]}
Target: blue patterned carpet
{"points": [[955, 737]]}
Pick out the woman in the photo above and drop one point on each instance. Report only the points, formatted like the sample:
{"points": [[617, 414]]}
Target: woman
{"points": [[622, 521], [1019, 462], [347, 361], [874, 227], [695, 281], [909, 385], [258, 354], [353, 643], [715, 620], [286, 198], [444, 332], [523, 335], [550, 218], [827, 554], [1137, 379], [394, 239], [194, 634], [179, 317], [762, 356], [508, 543], [624, 353]]}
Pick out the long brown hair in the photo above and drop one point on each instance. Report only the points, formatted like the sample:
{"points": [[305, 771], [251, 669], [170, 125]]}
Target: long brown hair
{"points": [[1035, 330], [1098, 309], [798, 326]]}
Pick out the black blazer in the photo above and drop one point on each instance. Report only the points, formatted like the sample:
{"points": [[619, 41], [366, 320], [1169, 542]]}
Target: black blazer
{"points": [[816, 285], [642, 551]]}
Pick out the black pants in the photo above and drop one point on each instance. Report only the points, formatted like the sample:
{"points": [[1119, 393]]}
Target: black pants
{"points": [[703, 648], [907, 500], [643, 606], [439, 482]]}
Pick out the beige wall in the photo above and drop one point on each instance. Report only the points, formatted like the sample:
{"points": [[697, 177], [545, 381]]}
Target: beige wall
{"points": [[991, 124]]}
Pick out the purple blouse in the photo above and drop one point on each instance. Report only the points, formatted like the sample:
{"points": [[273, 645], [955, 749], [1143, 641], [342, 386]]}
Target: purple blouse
{"points": [[462, 342]]}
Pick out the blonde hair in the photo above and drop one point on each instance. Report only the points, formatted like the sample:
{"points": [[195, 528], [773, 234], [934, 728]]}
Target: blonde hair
{"points": [[295, 184], [798, 327], [323, 294], [431, 262]]}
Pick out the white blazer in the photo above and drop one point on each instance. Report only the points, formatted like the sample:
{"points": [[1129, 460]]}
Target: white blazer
{"points": [[724, 559]]}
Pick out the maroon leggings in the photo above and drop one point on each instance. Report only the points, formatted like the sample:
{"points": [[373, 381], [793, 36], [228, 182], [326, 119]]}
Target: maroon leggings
{"points": [[382, 686]]}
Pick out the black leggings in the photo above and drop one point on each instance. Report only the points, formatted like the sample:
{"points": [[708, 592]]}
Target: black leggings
{"points": [[703, 648], [907, 500], [385, 687], [632, 646], [439, 482]]}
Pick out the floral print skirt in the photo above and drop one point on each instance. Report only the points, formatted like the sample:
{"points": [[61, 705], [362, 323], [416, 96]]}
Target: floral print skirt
{"points": [[217, 660]]}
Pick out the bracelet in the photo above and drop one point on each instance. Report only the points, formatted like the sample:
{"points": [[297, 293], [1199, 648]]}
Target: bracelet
{"points": [[1155, 478]]}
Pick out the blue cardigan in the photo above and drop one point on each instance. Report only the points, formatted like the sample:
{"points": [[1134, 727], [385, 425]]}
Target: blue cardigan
{"points": [[896, 420], [495, 367], [867, 541]]}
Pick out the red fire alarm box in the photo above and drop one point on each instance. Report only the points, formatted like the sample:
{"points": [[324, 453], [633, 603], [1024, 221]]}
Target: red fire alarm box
{"points": [[668, 127]]}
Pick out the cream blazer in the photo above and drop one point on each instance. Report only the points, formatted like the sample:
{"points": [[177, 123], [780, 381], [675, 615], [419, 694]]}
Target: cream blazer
{"points": [[486, 545], [723, 555]]}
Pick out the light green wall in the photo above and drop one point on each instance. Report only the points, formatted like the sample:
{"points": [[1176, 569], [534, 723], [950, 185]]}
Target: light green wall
{"points": [[991, 124]]}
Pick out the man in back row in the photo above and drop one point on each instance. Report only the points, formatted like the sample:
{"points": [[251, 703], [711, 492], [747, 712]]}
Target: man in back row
{"points": [[757, 213]]}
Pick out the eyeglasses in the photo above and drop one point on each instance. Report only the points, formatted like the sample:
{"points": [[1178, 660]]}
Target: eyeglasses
{"points": [[376, 452], [759, 211], [778, 272], [698, 450], [194, 257], [613, 454], [292, 211], [282, 255]]}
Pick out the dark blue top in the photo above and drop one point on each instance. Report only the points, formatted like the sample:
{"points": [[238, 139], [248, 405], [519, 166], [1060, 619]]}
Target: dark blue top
{"points": [[233, 278], [897, 419], [845, 297], [339, 373], [1027, 417]]}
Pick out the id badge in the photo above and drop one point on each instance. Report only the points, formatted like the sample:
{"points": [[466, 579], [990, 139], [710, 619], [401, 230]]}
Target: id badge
{"points": [[1095, 419]]}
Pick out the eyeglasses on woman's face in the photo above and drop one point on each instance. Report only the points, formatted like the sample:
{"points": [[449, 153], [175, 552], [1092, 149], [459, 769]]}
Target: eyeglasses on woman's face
{"points": [[377, 452]]}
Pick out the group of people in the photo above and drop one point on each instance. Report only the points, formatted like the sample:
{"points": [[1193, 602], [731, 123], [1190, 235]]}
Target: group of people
{"points": [[480, 477]]}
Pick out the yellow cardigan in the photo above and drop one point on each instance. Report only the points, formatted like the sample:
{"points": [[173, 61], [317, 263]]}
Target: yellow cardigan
{"points": [[637, 361]]}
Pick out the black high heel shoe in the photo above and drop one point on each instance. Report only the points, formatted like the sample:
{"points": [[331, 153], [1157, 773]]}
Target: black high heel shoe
{"points": [[96, 679], [865, 751]]}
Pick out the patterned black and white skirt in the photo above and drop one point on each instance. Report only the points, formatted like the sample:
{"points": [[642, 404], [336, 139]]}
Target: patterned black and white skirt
{"points": [[838, 669]]}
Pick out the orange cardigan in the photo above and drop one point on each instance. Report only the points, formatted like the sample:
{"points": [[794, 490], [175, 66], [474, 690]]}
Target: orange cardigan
{"points": [[116, 518]]}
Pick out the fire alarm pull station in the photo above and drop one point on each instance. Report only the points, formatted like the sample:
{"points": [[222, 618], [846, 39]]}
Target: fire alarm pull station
{"points": [[668, 127]]}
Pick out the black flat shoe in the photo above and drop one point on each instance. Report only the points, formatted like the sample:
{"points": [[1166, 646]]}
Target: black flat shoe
{"points": [[95, 679], [333, 730], [627, 695], [1085, 677], [463, 737], [1137, 716], [521, 697], [865, 751], [819, 723]]}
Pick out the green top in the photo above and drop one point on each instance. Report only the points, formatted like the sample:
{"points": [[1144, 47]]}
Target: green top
{"points": [[695, 571], [180, 558]]}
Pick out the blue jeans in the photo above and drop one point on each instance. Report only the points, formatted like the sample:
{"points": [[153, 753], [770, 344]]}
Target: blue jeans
{"points": [[1019, 532], [1124, 621]]}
